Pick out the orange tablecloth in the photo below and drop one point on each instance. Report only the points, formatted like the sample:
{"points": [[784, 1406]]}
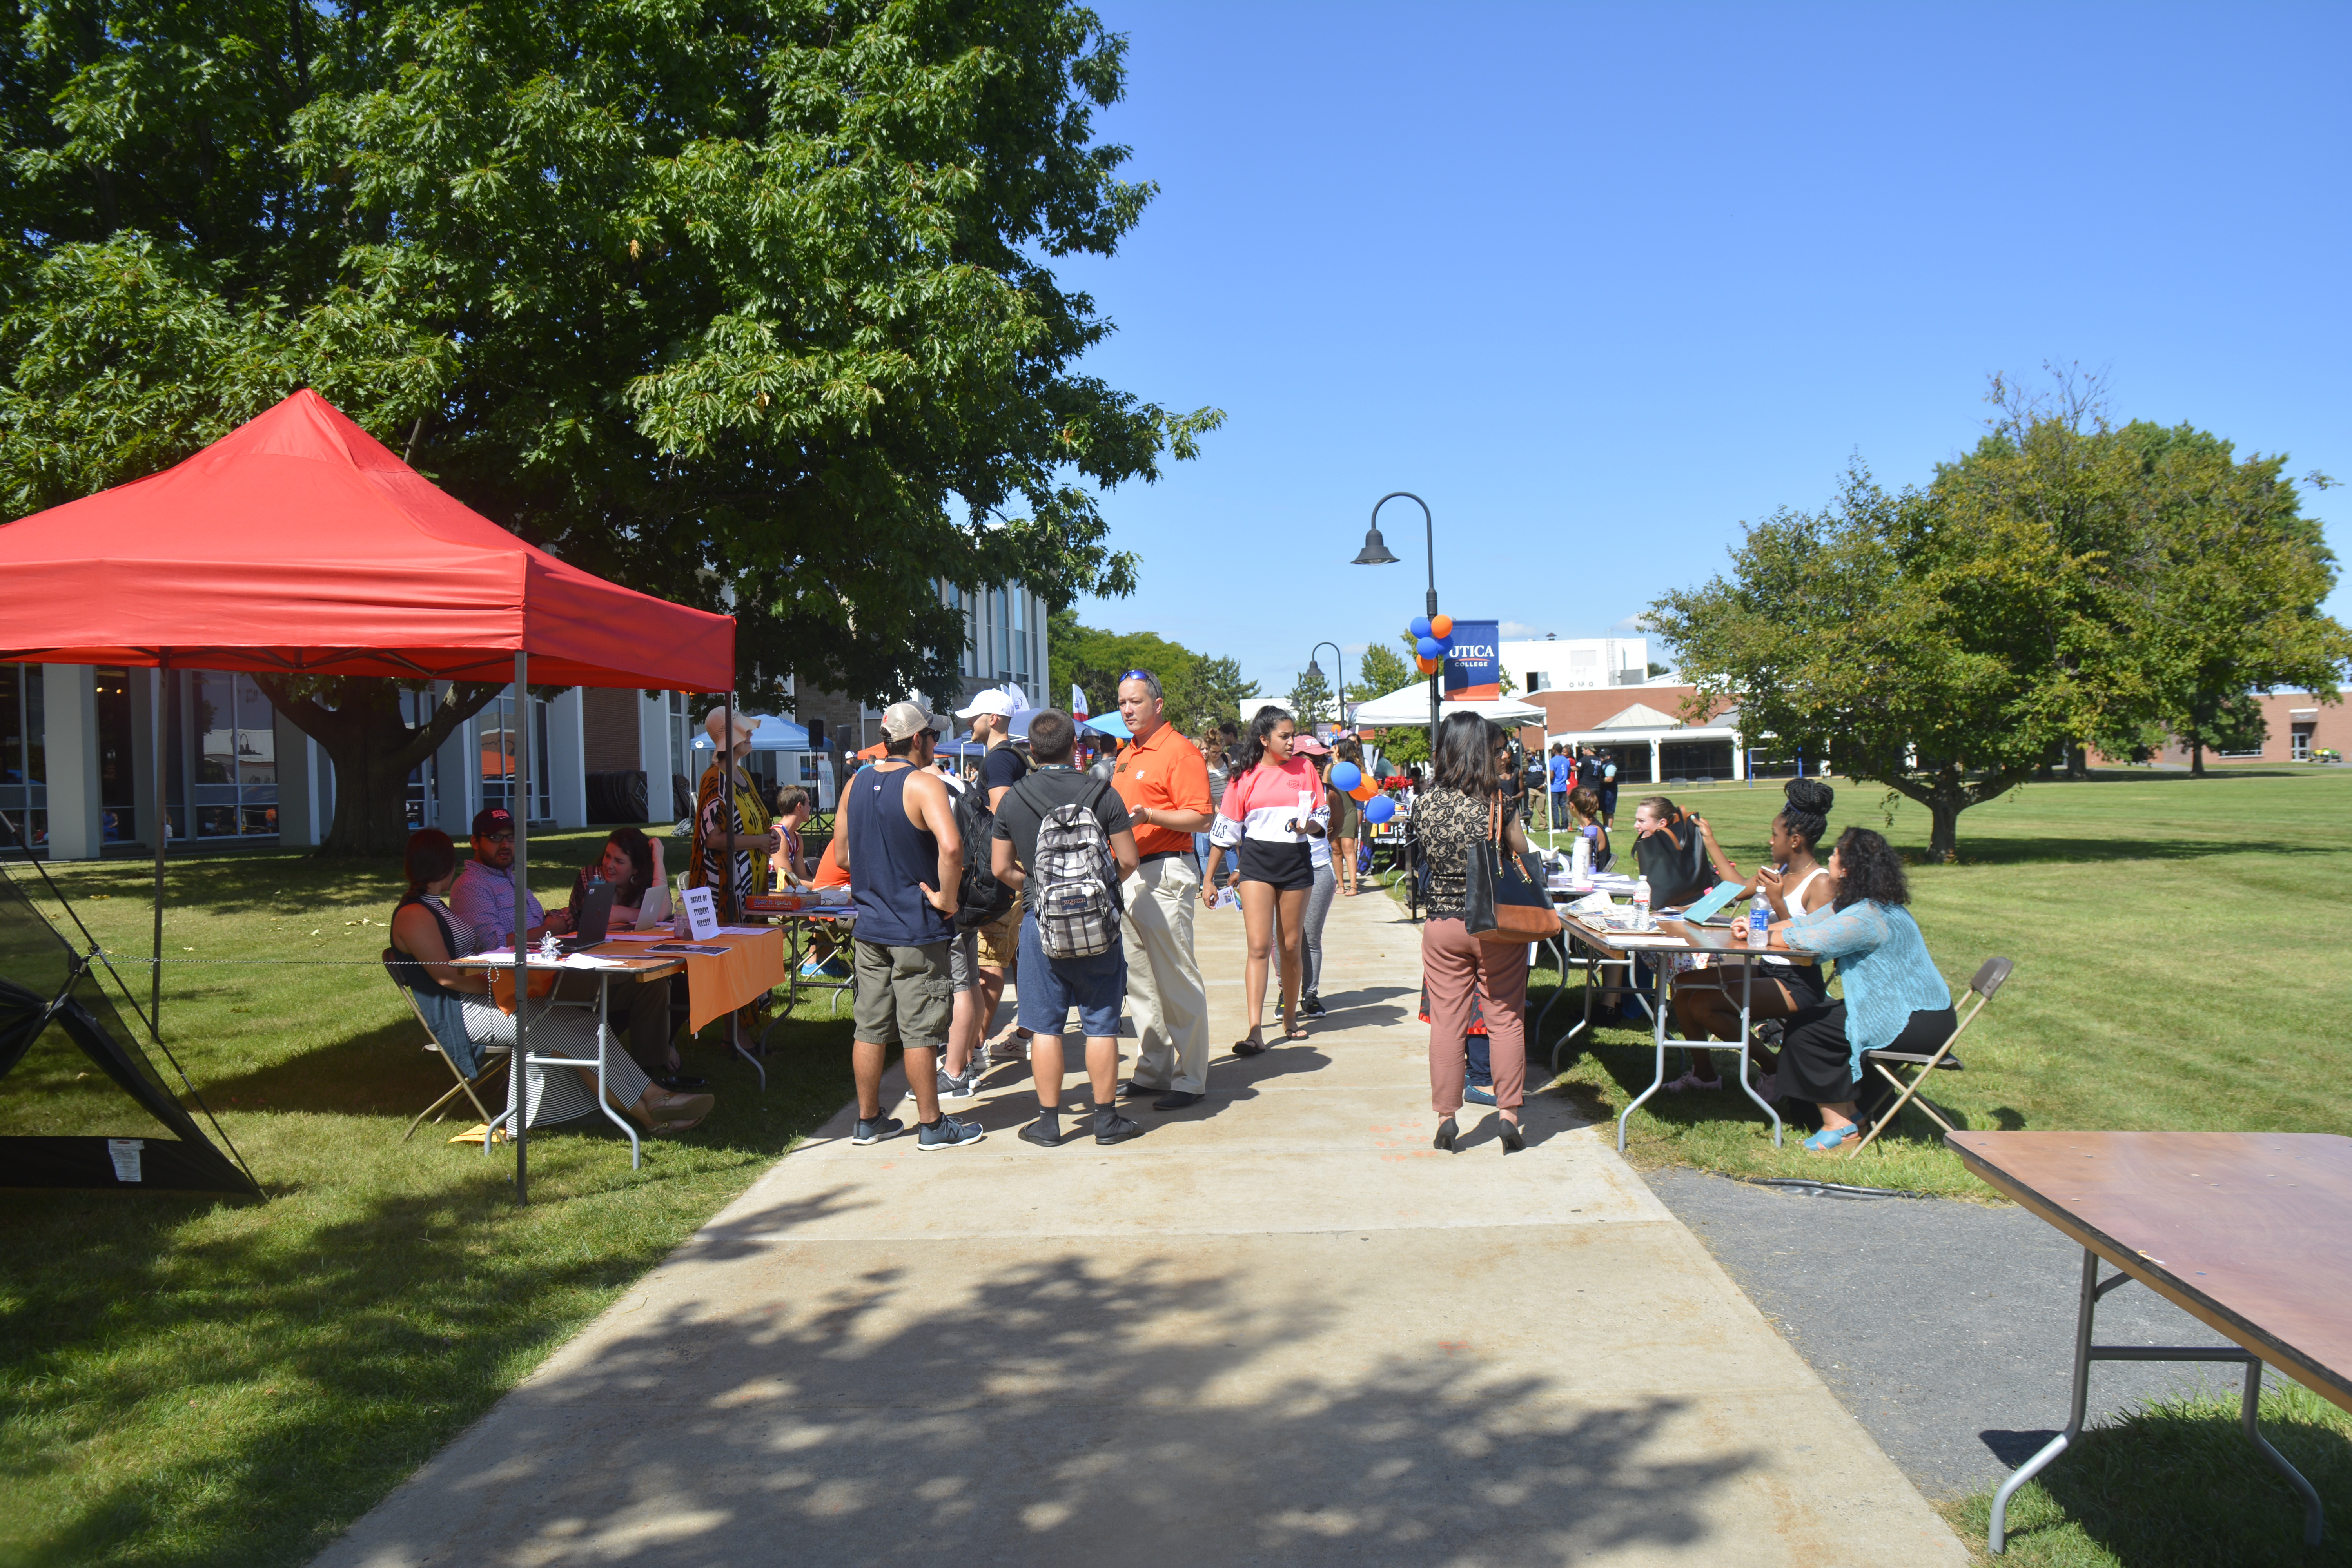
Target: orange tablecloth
{"points": [[715, 987]]}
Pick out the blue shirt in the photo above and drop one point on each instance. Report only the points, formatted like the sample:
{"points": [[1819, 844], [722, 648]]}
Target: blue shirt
{"points": [[484, 903], [1562, 772], [1883, 961]]}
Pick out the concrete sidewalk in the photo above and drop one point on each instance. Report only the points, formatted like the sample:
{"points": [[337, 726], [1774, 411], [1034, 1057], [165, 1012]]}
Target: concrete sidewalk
{"points": [[1279, 1328]]}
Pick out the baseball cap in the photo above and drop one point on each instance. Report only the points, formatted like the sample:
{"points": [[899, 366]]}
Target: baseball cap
{"points": [[901, 719], [1309, 745], [990, 700], [492, 820]]}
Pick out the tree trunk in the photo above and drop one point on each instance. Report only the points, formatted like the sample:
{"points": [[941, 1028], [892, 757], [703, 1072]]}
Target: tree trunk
{"points": [[1944, 830], [2197, 759], [357, 722]]}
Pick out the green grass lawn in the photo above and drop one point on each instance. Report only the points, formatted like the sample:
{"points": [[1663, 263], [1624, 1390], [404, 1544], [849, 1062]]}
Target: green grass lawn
{"points": [[186, 1380]]}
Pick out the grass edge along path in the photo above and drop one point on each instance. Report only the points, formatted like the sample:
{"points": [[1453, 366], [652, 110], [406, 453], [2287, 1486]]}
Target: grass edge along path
{"points": [[185, 1380]]}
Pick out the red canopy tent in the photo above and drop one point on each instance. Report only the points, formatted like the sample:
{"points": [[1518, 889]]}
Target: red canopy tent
{"points": [[299, 543]]}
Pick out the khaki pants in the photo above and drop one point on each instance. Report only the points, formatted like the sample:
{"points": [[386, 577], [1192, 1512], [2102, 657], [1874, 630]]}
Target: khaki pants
{"points": [[1164, 990]]}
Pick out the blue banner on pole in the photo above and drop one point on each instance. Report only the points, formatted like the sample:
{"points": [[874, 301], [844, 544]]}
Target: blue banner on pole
{"points": [[1474, 669]]}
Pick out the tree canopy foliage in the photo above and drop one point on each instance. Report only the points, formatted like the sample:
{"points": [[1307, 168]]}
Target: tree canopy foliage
{"points": [[2066, 581], [751, 305], [1196, 687]]}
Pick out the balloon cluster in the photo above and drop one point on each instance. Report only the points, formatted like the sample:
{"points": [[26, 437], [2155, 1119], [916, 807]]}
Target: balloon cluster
{"points": [[1349, 780], [1433, 639]]}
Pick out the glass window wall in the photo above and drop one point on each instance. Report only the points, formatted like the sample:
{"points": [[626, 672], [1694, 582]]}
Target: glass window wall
{"points": [[24, 775]]}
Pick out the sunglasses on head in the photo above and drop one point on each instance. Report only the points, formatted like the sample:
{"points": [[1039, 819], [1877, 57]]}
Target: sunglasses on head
{"points": [[1139, 675]]}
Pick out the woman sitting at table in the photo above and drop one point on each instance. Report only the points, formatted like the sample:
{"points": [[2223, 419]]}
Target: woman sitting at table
{"points": [[1894, 999], [1585, 806], [457, 1004], [1795, 883], [632, 863]]}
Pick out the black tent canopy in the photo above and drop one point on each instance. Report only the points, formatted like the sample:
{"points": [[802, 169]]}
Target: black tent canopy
{"points": [[56, 1019]]}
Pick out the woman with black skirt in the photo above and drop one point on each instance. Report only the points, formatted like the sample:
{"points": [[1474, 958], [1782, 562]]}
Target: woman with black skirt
{"points": [[1274, 806], [1894, 999]]}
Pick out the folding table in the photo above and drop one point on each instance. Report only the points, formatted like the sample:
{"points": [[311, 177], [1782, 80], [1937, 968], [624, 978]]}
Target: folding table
{"points": [[2243, 1231]]}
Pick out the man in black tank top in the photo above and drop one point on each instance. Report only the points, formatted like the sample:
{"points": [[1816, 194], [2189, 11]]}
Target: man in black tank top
{"points": [[896, 836]]}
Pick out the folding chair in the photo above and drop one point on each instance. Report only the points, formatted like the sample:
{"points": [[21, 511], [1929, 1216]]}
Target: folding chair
{"points": [[490, 1067], [1888, 1063]]}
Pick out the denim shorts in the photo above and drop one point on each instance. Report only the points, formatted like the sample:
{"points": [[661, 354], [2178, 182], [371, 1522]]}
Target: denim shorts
{"points": [[1050, 987]]}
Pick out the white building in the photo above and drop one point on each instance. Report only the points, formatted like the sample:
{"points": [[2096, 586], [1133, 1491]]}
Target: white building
{"points": [[1576, 664]]}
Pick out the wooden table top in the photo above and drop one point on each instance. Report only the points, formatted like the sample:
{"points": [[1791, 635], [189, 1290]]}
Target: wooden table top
{"points": [[2247, 1231]]}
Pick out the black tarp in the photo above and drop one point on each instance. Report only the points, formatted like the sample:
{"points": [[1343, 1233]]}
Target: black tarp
{"points": [[55, 1021]]}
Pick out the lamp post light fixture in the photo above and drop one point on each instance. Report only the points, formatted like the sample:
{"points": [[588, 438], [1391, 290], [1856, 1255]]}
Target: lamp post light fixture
{"points": [[1315, 672], [1376, 553]]}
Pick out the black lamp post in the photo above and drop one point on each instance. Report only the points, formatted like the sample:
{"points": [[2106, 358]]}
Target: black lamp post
{"points": [[1376, 553], [1315, 671]]}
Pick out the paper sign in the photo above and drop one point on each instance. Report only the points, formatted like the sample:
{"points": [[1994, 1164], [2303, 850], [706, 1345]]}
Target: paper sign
{"points": [[124, 1153], [701, 913]]}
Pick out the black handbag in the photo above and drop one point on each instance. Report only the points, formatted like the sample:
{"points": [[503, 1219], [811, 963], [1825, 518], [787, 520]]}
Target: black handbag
{"points": [[1503, 897], [1675, 860]]}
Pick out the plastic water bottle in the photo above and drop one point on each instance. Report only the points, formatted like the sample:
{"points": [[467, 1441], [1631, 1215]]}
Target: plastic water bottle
{"points": [[1642, 904], [1759, 918], [1579, 861]]}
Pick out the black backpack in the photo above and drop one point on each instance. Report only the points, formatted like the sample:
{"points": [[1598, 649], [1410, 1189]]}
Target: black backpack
{"points": [[980, 899], [1675, 860]]}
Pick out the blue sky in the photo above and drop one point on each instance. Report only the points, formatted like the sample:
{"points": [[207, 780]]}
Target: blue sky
{"points": [[1600, 284]]}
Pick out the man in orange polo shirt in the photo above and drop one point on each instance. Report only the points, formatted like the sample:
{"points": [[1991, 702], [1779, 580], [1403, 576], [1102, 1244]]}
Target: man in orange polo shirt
{"points": [[1165, 786]]}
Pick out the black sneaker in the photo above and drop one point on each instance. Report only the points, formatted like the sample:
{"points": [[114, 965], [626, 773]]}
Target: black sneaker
{"points": [[1130, 1089], [1312, 1005], [1046, 1129], [877, 1129], [947, 1132], [1111, 1127]]}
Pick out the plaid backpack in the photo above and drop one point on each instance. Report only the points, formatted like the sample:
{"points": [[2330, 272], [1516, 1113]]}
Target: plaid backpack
{"points": [[1073, 887]]}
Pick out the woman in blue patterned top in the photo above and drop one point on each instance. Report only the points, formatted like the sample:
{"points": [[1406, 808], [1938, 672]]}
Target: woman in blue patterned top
{"points": [[1894, 999]]}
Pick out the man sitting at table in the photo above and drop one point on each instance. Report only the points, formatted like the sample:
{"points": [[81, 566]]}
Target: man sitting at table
{"points": [[484, 903]]}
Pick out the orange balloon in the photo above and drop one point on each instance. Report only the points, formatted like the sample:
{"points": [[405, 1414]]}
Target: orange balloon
{"points": [[1365, 791], [1441, 626], [1428, 666]]}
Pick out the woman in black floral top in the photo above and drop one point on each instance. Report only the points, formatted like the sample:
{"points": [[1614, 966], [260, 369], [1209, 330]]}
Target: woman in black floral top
{"points": [[1451, 816]]}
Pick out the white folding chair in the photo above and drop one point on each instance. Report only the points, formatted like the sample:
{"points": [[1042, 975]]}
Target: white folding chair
{"points": [[1889, 1063]]}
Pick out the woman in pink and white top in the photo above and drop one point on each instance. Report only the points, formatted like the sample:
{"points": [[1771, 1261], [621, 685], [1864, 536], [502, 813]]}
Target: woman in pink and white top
{"points": [[1274, 807]]}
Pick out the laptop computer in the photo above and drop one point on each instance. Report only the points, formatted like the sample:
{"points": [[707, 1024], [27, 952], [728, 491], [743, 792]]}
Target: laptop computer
{"points": [[595, 917]]}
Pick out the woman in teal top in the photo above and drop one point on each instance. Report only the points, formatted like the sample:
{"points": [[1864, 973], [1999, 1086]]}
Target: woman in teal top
{"points": [[1894, 999]]}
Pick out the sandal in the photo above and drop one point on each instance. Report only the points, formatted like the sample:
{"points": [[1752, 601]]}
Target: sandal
{"points": [[1829, 1140], [1247, 1048], [1292, 1029]]}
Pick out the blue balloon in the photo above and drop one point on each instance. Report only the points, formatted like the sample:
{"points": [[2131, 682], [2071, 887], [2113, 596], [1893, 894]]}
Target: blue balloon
{"points": [[1420, 626], [1380, 809], [1430, 647], [1346, 776]]}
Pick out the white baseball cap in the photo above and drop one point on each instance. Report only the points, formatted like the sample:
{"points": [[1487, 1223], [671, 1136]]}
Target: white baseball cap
{"points": [[901, 719], [716, 720], [991, 699]]}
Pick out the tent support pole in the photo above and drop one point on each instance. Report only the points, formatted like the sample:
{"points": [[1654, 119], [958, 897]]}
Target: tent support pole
{"points": [[520, 1104], [156, 751]]}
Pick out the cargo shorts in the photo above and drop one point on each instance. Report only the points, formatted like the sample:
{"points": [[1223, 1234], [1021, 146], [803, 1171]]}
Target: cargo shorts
{"points": [[905, 995]]}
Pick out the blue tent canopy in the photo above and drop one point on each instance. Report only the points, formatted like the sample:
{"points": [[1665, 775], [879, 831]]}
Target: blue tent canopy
{"points": [[1108, 724], [774, 734]]}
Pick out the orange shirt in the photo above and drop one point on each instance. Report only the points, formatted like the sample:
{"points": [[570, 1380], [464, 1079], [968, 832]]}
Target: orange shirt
{"points": [[829, 873], [1165, 773]]}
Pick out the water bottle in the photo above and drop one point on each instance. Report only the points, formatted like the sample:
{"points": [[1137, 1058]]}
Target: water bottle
{"points": [[1759, 917], [1579, 861], [1642, 904]]}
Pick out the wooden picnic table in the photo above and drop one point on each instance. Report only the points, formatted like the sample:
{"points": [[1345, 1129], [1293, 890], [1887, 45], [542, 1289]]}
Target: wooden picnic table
{"points": [[2233, 1228]]}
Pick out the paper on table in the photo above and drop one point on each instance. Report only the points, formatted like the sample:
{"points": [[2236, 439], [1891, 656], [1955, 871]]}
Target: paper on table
{"points": [[1646, 939], [664, 934], [743, 930], [504, 958]]}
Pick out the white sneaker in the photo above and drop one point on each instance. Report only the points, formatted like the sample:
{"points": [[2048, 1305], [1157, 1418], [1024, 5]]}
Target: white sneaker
{"points": [[1692, 1081]]}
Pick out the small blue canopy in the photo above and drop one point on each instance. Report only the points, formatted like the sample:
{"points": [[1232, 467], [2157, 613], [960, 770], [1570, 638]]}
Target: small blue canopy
{"points": [[1108, 724], [774, 734]]}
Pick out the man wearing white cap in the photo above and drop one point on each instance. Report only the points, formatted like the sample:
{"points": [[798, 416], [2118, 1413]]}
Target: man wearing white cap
{"points": [[731, 819], [898, 839], [990, 714]]}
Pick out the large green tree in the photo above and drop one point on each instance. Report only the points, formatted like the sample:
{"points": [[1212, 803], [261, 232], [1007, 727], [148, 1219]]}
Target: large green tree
{"points": [[1195, 686], [748, 305]]}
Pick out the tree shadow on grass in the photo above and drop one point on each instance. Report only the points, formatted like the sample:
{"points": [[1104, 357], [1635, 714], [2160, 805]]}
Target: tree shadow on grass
{"points": [[1990, 850], [1147, 1408]]}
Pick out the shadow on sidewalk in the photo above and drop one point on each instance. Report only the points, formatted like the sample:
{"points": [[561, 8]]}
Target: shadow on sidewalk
{"points": [[1057, 1410]]}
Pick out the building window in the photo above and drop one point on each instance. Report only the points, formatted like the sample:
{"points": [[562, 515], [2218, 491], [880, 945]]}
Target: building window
{"points": [[424, 779], [234, 735], [496, 726], [24, 773], [1535, 682], [117, 789]]}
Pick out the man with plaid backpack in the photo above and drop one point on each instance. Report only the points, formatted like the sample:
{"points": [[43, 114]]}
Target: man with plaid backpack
{"points": [[1065, 841]]}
